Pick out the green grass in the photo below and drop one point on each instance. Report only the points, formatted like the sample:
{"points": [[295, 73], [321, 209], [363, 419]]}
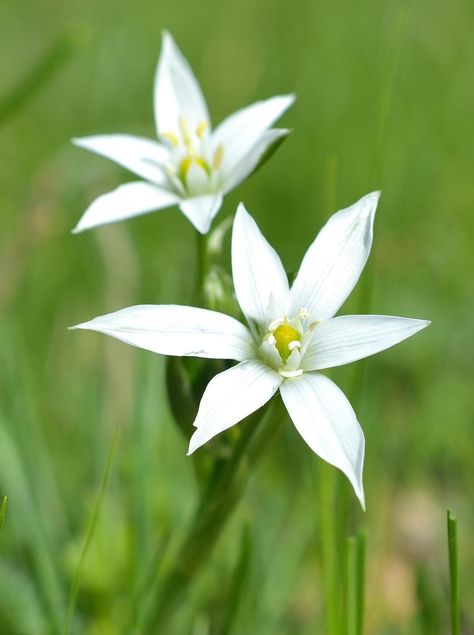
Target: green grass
{"points": [[385, 101]]}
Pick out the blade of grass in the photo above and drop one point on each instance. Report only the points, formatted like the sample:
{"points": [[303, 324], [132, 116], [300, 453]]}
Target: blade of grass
{"points": [[239, 583], [360, 591], [3, 511], [89, 535], [29, 528], [49, 64], [354, 584], [329, 540], [454, 573]]}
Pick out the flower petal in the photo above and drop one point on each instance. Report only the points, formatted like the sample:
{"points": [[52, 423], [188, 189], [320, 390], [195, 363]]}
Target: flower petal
{"points": [[326, 421], [177, 91], [241, 131], [230, 397], [348, 338], [172, 329], [141, 156], [201, 210], [127, 201], [268, 143], [333, 263], [260, 282]]}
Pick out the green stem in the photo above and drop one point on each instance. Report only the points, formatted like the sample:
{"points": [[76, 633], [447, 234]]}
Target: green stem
{"points": [[454, 574], [202, 265], [224, 489], [329, 539]]}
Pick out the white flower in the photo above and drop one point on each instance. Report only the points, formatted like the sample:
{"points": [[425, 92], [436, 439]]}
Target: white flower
{"points": [[191, 165], [291, 335]]}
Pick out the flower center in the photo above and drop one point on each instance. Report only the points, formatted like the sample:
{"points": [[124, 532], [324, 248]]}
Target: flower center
{"points": [[189, 150], [285, 343], [286, 340]]}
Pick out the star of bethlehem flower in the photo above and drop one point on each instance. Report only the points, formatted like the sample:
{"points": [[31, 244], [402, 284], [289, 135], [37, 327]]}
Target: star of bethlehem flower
{"points": [[290, 336], [190, 165]]}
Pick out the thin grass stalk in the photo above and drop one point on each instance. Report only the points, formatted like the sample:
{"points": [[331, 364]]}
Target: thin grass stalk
{"points": [[454, 574], [92, 524], [3, 511], [47, 66], [354, 584], [329, 547]]}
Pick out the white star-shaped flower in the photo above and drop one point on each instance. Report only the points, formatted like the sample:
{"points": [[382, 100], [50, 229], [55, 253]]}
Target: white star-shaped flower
{"points": [[290, 336], [190, 165]]}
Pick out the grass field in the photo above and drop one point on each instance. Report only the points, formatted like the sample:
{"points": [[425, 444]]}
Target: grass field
{"points": [[385, 101]]}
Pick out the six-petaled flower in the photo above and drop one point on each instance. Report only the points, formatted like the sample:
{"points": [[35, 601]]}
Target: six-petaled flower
{"points": [[190, 165], [290, 335]]}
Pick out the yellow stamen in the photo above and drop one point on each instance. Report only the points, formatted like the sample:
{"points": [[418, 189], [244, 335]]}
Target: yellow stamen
{"points": [[284, 336], [172, 138], [218, 156], [201, 129], [184, 127]]}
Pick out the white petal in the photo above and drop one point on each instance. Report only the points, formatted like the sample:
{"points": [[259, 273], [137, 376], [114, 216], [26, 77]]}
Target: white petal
{"points": [[333, 263], [172, 329], [201, 210], [177, 92], [241, 131], [127, 201], [230, 397], [139, 155], [260, 282], [250, 161], [348, 338], [326, 421]]}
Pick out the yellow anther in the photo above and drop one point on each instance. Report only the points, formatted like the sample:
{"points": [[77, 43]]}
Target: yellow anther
{"points": [[172, 138], [218, 156], [184, 127], [201, 129], [284, 336]]}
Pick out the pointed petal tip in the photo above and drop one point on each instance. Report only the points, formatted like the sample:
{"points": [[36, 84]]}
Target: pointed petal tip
{"points": [[75, 327], [241, 210]]}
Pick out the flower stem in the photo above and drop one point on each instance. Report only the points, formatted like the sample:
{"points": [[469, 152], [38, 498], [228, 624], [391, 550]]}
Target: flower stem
{"points": [[454, 574], [224, 489], [202, 265]]}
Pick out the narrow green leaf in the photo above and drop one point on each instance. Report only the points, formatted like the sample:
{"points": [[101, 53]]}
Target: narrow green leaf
{"points": [[47, 65], [89, 535], [329, 545], [354, 578], [3, 511], [239, 583], [454, 574]]}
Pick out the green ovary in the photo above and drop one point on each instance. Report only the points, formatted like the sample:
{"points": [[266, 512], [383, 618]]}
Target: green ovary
{"points": [[284, 335], [186, 164]]}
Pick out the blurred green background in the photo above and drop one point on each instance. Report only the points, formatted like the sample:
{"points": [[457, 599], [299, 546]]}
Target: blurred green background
{"points": [[385, 101]]}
